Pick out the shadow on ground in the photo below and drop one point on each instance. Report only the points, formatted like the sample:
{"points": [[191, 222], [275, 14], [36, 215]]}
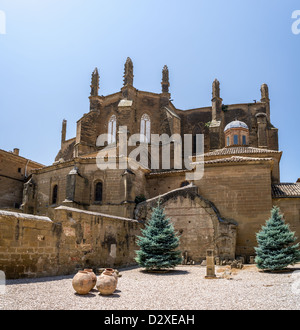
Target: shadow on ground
{"points": [[38, 279], [282, 271], [165, 272], [95, 293]]}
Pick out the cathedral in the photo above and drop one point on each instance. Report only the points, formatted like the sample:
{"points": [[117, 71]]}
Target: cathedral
{"points": [[222, 209]]}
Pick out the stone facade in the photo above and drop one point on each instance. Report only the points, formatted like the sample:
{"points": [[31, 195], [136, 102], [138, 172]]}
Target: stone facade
{"points": [[14, 171], [198, 222], [35, 246], [222, 211], [287, 197]]}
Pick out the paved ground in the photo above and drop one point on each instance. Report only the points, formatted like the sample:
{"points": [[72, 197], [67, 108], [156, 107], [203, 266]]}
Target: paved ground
{"points": [[184, 288]]}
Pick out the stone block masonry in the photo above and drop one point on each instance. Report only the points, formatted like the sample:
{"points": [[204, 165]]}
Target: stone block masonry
{"points": [[196, 220], [35, 246]]}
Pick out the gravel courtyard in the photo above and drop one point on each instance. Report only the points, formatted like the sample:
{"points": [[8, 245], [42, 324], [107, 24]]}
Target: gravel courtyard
{"points": [[184, 288]]}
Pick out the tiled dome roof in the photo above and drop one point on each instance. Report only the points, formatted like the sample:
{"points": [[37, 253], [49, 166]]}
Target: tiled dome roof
{"points": [[235, 124]]}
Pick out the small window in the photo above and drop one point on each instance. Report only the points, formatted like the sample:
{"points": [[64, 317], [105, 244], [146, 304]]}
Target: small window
{"points": [[228, 141], [54, 194], [98, 192], [196, 138], [244, 139], [235, 139], [19, 170]]}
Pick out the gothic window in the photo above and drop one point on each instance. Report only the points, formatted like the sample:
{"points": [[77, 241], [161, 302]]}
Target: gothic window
{"points": [[54, 194], [145, 128], [98, 192], [112, 129], [235, 139]]}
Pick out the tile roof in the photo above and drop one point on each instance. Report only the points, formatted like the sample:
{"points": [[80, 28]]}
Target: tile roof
{"points": [[286, 190], [218, 152], [240, 150], [233, 159], [236, 159]]}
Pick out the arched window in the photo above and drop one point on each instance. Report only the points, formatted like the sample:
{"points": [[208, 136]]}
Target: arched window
{"points": [[54, 194], [112, 129], [145, 128], [98, 192]]}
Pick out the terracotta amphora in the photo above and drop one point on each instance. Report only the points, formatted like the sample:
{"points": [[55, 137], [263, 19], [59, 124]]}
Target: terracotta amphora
{"points": [[92, 274], [106, 283], [114, 273], [82, 282]]}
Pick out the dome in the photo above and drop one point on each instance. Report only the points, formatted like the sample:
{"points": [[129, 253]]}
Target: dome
{"points": [[235, 124]]}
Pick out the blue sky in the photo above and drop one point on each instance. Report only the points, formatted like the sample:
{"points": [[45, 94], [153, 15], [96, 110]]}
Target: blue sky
{"points": [[51, 48]]}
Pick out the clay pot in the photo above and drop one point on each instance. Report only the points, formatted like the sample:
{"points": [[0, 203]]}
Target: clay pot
{"points": [[82, 282], [106, 283], [111, 270], [93, 276]]}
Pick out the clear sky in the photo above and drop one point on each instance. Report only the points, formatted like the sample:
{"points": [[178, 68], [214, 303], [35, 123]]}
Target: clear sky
{"points": [[51, 48]]}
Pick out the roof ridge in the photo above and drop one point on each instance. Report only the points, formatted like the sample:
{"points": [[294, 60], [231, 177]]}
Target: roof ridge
{"points": [[25, 158], [236, 158], [286, 183], [239, 149]]}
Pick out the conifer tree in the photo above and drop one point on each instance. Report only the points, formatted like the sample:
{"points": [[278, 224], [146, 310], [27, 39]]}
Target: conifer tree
{"points": [[275, 249], [159, 243]]}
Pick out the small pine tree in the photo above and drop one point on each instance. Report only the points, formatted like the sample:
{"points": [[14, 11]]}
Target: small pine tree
{"points": [[159, 243], [275, 250]]}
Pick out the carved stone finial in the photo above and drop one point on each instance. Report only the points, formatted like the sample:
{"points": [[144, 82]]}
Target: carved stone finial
{"points": [[264, 92], [165, 80], [63, 131], [128, 72], [95, 83], [216, 89]]}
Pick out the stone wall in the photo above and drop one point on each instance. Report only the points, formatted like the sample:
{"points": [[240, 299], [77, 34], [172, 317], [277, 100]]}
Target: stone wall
{"points": [[119, 188], [38, 190], [161, 183], [11, 192], [13, 171], [198, 222], [241, 192], [290, 208], [28, 245], [35, 246]]}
